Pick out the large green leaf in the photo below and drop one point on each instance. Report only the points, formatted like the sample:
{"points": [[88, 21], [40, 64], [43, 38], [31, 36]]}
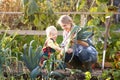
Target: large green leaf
{"points": [[33, 8], [25, 2], [84, 34]]}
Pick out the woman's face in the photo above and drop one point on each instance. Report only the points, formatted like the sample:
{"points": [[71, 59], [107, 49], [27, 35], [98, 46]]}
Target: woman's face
{"points": [[66, 27]]}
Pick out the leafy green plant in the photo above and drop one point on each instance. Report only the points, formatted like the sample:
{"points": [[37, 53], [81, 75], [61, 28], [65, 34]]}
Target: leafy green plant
{"points": [[5, 44], [111, 74], [113, 45], [31, 58], [87, 75], [38, 14]]}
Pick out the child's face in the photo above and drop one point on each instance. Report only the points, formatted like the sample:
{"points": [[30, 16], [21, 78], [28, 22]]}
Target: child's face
{"points": [[53, 35]]}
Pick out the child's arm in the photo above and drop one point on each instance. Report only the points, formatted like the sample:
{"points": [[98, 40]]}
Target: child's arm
{"points": [[54, 45]]}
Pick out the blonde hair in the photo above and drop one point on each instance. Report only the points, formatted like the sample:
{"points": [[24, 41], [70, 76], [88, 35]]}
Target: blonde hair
{"points": [[50, 29], [65, 19]]}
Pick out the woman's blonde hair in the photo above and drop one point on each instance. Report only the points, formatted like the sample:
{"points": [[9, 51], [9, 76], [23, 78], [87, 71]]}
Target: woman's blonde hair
{"points": [[65, 19], [50, 29]]}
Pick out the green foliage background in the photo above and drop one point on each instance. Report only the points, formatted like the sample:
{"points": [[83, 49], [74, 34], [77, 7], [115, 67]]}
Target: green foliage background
{"points": [[39, 14]]}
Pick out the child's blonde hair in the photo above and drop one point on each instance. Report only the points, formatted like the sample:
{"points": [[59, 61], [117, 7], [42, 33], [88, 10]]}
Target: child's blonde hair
{"points": [[49, 30], [65, 19]]}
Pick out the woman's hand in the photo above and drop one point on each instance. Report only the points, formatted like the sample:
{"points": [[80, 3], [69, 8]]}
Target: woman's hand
{"points": [[70, 50]]}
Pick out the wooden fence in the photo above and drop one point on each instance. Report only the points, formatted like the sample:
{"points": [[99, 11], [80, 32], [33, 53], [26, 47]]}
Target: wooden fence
{"points": [[31, 32], [67, 13], [26, 32]]}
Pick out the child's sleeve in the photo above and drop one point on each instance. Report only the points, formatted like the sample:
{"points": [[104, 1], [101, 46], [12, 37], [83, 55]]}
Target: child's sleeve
{"points": [[53, 45]]}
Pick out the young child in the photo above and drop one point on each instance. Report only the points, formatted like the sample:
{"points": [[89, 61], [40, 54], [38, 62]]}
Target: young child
{"points": [[50, 45]]}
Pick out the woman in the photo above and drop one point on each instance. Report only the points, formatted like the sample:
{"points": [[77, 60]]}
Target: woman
{"points": [[72, 57]]}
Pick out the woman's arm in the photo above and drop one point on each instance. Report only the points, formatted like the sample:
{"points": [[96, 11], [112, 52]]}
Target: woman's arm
{"points": [[83, 43]]}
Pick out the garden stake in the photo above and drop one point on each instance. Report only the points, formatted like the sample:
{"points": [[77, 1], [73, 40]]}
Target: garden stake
{"points": [[107, 26]]}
